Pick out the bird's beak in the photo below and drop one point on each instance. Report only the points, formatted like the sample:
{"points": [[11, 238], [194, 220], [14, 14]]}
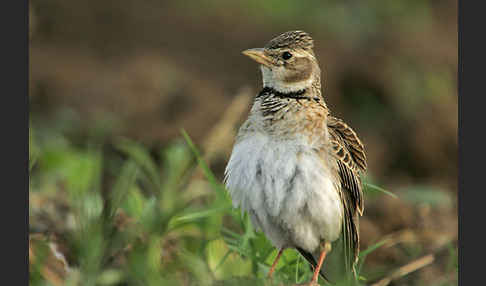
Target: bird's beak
{"points": [[258, 55]]}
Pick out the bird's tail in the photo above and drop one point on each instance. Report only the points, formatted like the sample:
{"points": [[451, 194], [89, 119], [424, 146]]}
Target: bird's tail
{"points": [[310, 258]]}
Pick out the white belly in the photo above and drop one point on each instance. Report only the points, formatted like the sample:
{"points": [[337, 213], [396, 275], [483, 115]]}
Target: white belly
{"points": [[287, 190]]}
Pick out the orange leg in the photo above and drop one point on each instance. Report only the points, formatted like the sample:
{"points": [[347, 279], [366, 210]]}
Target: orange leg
{"points": [[327, 248], [272, 269]]}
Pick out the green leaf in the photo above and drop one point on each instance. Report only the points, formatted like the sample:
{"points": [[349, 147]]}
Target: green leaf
{"points": [[222, 260], [123, 185], [135, 203]]}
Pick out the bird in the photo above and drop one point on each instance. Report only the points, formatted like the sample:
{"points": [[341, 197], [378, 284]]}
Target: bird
{"points": [[295, 168]]}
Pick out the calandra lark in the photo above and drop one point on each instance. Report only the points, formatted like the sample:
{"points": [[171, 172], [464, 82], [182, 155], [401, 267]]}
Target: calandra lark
{"points": [[295, 168]]}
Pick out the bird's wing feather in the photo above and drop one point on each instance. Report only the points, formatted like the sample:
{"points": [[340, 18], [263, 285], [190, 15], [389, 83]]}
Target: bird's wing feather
{"points": [[351, 158], [351, 162]]}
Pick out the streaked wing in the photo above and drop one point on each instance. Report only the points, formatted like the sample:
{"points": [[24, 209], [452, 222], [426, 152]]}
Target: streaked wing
{"points": [[351, 158], [351, 162]]}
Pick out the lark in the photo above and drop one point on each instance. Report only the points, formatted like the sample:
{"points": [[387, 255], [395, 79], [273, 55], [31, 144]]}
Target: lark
{"points": [[295, 168]]}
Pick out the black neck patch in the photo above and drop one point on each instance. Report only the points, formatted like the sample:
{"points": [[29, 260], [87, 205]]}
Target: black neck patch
{"points": [[293, 95]]}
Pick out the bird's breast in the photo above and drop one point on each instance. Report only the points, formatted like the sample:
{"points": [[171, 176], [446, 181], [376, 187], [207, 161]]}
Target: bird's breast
{"points": [[287, 188]]}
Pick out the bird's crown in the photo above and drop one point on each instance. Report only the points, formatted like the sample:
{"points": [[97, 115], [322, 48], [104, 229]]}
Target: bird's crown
{"points": [[291, 40]]}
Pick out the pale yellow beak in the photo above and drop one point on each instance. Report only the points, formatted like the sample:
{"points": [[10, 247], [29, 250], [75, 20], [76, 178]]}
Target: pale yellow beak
{"points": [[258, 55]]}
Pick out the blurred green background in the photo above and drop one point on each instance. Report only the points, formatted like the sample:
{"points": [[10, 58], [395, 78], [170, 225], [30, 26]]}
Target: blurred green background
{"points": [[118, 196]]}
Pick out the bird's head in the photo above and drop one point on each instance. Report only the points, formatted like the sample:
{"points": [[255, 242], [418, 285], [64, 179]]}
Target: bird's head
{"points": [[288, 62]]}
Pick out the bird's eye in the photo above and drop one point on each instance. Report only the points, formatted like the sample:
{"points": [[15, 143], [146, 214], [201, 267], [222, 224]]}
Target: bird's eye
{"points": [[286, 55]]}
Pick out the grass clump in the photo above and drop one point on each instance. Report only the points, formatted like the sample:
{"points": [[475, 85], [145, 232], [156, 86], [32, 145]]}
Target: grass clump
{"points": [[125, 216]]}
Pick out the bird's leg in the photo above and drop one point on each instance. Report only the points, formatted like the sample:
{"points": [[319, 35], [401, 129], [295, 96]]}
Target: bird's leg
{"points": [[272, 269], [327, 248]]}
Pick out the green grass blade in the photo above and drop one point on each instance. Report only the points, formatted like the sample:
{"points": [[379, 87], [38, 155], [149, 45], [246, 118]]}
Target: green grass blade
{"points": [[205, 168], [228, 232], [191, 217], [297, 270], [367, 251], [372, 248], [379, 189], [140, 155], [222, 260]]}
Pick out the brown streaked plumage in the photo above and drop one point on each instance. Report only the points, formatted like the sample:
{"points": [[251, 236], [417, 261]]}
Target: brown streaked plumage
{"points": [[291, 40], [294, 167]]}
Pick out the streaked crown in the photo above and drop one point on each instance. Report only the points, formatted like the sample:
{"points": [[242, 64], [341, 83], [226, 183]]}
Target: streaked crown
{"points": [[291, 40]]}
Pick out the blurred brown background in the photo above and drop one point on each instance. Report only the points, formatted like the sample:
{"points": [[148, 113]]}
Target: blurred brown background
{"points": [[145, 69]]}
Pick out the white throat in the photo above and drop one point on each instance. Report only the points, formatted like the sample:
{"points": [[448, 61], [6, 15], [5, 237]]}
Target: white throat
{"points": [[274, 79]]}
